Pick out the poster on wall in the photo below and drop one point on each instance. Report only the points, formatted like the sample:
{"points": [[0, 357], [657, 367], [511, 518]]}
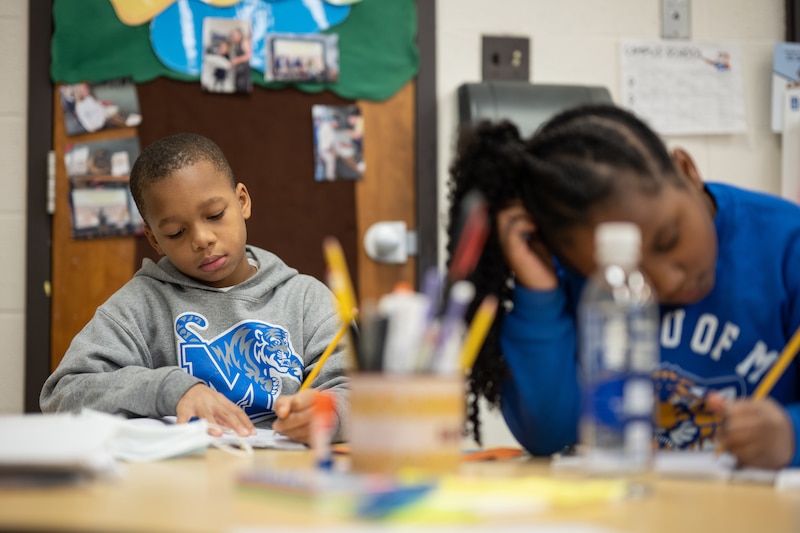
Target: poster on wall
{"points": [[89, 107], [790, 140], [338, 142], [785, 76], [684, 87], [303, 58], [100, 198], [227, 49]]}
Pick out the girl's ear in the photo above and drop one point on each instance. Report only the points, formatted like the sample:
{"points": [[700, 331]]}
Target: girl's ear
{"points": [[685, 165]]}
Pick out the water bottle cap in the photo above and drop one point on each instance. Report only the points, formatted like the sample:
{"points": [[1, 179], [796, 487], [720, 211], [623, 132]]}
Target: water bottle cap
{"points": [[617, 242]]}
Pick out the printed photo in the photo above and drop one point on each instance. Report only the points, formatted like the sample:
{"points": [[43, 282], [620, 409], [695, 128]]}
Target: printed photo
{"points": [[98, 174], [312, 58], [89, 107], [227, 50], [100, 212], [338, 142], [106, 160]]}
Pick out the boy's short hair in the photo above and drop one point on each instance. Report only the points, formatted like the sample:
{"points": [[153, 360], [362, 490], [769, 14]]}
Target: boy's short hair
{"points": [[168, 155]]}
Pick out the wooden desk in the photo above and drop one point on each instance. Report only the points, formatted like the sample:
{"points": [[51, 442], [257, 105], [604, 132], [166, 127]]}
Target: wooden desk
{"points": [[199, 494]]}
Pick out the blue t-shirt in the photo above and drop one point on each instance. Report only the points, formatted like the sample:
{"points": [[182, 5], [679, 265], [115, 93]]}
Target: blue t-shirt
{"points": [[726, 342]]}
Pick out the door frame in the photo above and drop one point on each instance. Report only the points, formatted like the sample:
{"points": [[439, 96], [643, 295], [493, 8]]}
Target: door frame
{"points": [[40, 128]]}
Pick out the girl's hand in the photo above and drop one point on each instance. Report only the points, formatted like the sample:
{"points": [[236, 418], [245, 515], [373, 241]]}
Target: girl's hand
{"points": [[758, 432], [524, 252]]}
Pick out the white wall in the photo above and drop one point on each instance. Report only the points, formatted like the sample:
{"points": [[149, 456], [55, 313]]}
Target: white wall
{"points": [[577, 42], [13, 184]]}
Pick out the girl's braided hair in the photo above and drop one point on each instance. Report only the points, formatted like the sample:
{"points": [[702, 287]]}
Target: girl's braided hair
{"points": [[572, 164]]}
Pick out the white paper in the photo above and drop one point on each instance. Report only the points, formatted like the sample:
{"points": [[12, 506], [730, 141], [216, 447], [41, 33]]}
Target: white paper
{"points": [[684, 87], [63, 442], [785, 75], [692, 465], [264, 438], [788, 479], [790, 146], [709, 465]]}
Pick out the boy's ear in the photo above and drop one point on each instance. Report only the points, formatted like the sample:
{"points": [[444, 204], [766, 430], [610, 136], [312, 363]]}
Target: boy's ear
{"points": [[152, 239], [685, 165], [244, 200]]}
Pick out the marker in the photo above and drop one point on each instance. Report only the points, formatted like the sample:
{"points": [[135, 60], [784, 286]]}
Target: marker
{"points": [[452, 327], [324, 416], [472, 237], [406, 312], [432, 288], [373, 327]]}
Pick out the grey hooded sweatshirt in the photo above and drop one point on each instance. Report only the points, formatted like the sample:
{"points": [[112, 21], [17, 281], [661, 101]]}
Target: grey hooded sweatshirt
{"points": [[164, 332]]}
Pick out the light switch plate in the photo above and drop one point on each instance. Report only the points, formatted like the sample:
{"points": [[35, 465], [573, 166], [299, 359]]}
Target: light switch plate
{"points": [[675, 20], [505, 58]]}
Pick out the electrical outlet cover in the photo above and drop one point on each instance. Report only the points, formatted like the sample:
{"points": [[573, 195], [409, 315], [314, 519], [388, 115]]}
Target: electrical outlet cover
{"points": [[675, 21], [505, 59]]}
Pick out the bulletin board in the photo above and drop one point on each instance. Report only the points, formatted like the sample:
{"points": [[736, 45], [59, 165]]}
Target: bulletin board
{"points": [[267, 136]]}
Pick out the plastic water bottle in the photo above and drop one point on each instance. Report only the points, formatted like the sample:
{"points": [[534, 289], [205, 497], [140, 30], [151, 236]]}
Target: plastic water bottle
{"points": [[619, 350]]}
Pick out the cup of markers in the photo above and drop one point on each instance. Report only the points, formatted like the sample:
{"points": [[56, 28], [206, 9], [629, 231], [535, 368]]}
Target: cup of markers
{"points": [[407, 398], [407, 392]]}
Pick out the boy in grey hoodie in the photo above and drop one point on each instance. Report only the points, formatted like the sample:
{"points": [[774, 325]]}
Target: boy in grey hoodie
{"points": [[216, 329]]}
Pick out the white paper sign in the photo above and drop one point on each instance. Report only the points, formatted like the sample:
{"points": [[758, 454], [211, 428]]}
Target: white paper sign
{"points": [[785, 76], [790, 146], [684, 87]]}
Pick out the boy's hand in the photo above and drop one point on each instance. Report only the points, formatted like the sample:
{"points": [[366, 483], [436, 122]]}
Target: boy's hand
{"points": [[525, 254], [202, 402], [758, 432], [294, 415]]}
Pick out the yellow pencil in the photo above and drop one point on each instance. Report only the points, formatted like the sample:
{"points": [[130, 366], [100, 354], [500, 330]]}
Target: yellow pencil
{"points": [[478, 330], [340, 283], [322, 358], [777, 370]]}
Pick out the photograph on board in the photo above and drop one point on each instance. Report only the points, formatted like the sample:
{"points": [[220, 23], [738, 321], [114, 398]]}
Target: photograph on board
{"points": [[227, 49], [98, 174], [100, 212], [103, 160], [338, 142], [89, 107], [310, 58]]}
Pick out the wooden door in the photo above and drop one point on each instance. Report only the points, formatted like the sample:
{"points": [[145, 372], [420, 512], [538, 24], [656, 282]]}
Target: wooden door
{"points": [[267, 138]]}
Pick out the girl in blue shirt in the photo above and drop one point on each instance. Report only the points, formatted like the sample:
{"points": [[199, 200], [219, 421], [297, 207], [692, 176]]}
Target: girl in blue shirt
{"points": [[725, 263]]}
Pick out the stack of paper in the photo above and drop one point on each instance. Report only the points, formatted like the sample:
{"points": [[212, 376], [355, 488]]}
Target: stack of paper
{"points": [[54, 448]]}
